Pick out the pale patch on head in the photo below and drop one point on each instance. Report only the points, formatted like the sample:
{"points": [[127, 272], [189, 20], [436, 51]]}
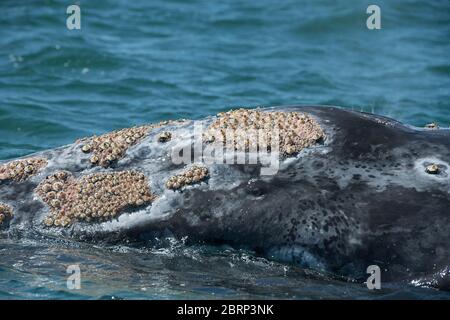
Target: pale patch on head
{"points": [[161, 209], [441, 169]]}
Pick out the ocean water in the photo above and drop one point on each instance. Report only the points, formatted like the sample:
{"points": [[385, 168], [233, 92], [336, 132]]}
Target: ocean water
{"points": [[136, 62]]}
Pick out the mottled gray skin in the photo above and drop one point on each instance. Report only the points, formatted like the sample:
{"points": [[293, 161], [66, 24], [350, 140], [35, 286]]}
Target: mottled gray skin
{"points": [[360, 198]]}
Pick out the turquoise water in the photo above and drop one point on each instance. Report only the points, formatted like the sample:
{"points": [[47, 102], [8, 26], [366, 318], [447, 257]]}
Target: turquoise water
{"points": [[137, 62]]}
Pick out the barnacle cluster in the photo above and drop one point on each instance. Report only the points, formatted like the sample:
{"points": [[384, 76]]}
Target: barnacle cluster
{"points": [[432, 125], [111, 147], [98, 196], [20, 170], [6, 212], [255, 130], [193, 175], [432, 169], [165, 136]]}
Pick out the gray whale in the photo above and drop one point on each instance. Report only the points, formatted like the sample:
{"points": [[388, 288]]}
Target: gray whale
{"points": [[364, 195]]}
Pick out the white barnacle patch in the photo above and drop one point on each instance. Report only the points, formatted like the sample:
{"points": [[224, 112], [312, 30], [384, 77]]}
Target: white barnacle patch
{"points": [[21, 170], [432, 125], [433, 168], [98, 197], [6, 212], [252, 130], [193, 175], [109, 148]]}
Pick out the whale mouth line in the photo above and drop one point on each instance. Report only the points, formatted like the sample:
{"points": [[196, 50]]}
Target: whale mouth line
{"points": [[6, 213]]}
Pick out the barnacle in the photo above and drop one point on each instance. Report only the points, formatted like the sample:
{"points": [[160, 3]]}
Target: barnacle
{"points": [[246, 130], [111, 147], [97, 196], [193, 175], [432, 125], [165, 136], [21, 170], [432, 169], [6, 212]]}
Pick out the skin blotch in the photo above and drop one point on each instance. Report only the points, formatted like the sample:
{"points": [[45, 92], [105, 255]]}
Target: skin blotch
{"points": [[111, 147], [191, 176], [21, 170], [94, 197], [6, 213], [296, 130]]}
